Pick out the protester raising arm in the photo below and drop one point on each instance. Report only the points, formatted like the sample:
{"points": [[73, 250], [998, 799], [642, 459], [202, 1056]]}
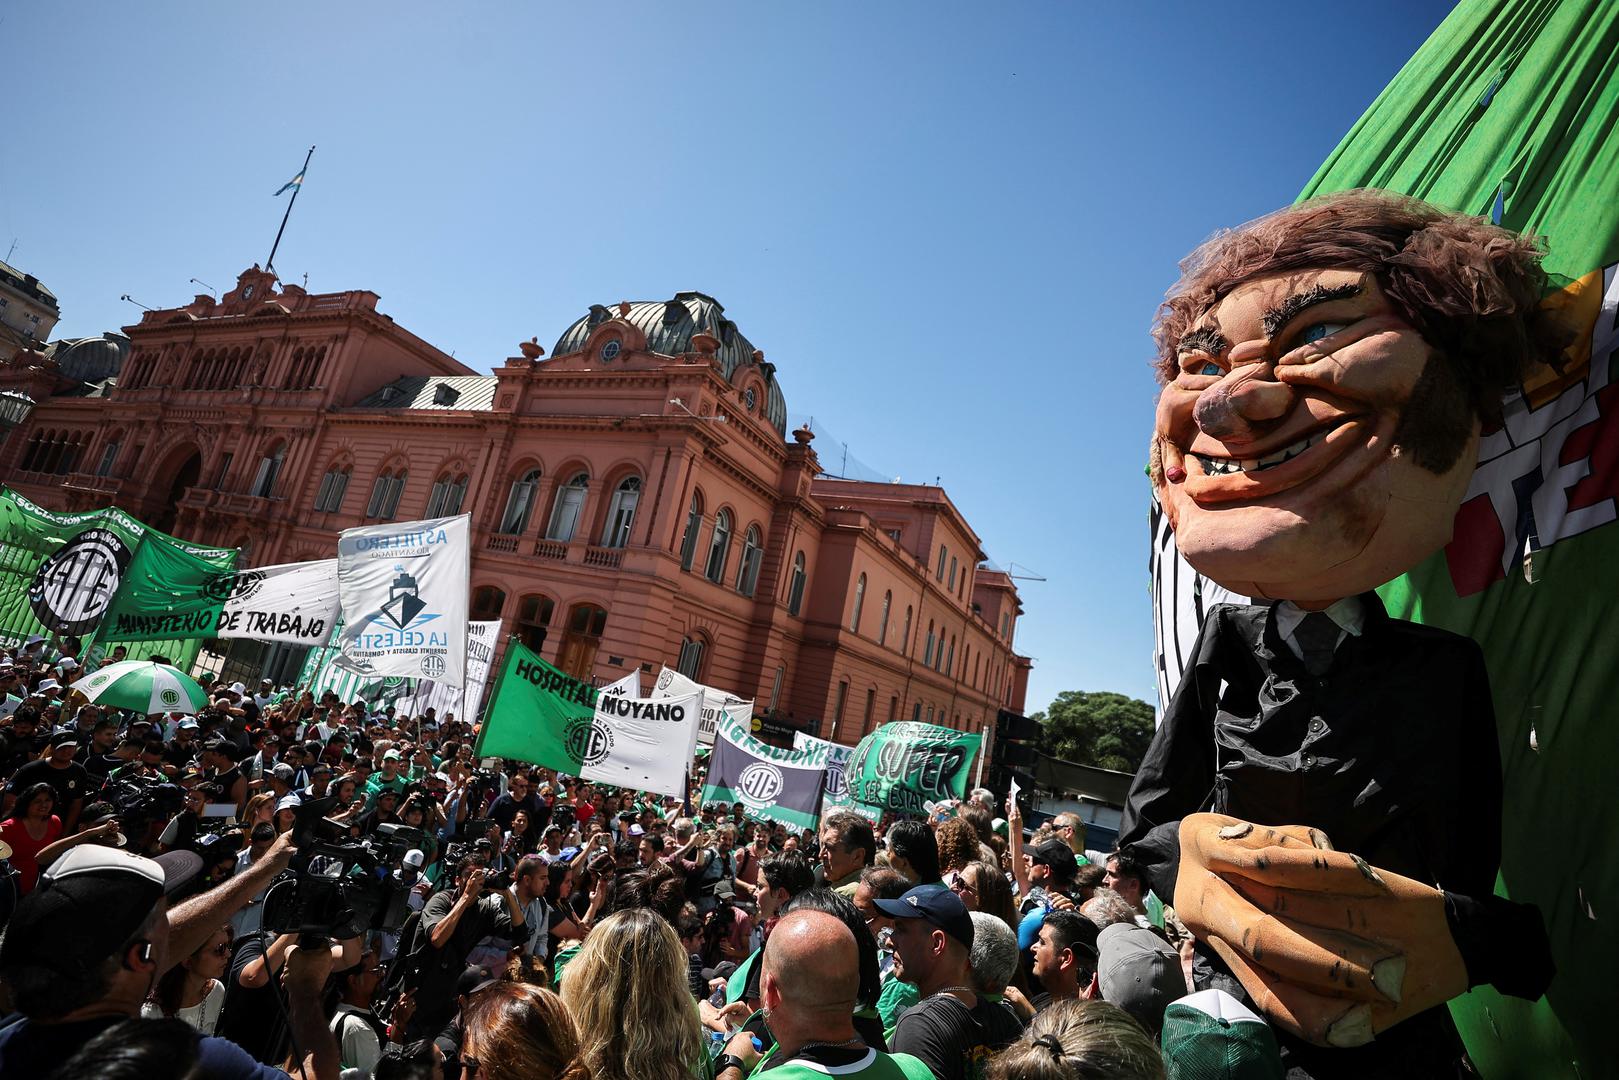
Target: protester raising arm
{"points": [[1014, 842], [49, 852], [193, 922]]}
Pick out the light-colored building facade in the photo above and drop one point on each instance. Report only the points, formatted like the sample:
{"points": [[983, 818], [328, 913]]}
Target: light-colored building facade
{"points": [[636, 499], [28, 312]]}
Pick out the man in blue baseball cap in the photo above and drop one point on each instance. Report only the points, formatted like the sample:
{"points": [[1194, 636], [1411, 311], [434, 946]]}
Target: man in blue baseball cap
{"points": [[952, 1029]]}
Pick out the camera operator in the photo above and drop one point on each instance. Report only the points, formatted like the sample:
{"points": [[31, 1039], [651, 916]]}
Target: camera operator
{"points": [[452, 923], [84, 950]]}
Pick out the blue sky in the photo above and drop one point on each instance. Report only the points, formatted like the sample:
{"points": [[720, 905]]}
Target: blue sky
{"points": [[948, 225]]}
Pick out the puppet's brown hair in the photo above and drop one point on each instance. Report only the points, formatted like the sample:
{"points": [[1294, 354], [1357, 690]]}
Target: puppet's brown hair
{"points": [[1471, 289]]}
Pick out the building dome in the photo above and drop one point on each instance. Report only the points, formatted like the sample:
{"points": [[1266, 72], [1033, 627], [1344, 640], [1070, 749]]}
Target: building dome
{"points": [[669, 326], [90, 359]]}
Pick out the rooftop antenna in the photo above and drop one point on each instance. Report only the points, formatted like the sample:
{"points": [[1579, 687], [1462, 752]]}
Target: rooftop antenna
{"points": [[136, 302], [204, 284], [11, 249]]}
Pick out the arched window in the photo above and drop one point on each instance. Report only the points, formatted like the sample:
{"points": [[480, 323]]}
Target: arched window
{"points": [[882, 628], [719, 548], [534, 620], [690, 663], [565, 510], [927, 651], [859, 603], [694, 525], [487, 603], [333, 486], [384, 502], [795, 591], [621, 512], [520, 503], [905, 638], [747, 571], [447, 495]]}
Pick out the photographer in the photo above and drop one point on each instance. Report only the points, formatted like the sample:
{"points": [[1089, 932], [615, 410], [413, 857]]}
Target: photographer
{"points": [[85, 949], [451, 924]]}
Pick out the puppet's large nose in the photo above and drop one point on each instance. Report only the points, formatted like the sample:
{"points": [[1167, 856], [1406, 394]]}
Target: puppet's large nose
{"points": [[1243, 405]]}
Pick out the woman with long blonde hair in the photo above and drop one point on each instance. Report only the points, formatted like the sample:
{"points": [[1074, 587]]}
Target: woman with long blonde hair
{"points": [[627, 991]]}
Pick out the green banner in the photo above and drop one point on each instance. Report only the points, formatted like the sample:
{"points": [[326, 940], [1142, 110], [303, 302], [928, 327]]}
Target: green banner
{"points": [[903, 765], [169, 592], [538, 714], [61, 572]]}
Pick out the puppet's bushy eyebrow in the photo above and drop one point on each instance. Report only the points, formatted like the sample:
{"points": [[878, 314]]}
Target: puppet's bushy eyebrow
{"points": [[1283, 313], [1205, 339]]}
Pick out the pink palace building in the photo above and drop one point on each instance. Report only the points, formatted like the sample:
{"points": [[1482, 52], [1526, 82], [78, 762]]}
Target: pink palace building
{"points": [[618, 523]]}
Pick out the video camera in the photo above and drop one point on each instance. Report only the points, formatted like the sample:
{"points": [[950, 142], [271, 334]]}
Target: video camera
{"points": [[142, 800], [339, 887]]}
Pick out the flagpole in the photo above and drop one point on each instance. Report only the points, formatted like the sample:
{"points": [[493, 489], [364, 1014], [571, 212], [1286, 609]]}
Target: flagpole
{"points": [[269, 264]]}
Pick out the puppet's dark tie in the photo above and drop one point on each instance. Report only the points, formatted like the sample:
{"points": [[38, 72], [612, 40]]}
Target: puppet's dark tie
{"points": [[1317, 636]]}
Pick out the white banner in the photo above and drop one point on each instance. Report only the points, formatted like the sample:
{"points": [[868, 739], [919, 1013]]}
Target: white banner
{"points": [[462, 701], [835, 756], [628, 686], [293, 602], [405, 590], [672, 683], [632, 742]]}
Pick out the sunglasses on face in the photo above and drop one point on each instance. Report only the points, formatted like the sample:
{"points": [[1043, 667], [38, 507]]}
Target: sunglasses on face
{"points": [[959, 884]]}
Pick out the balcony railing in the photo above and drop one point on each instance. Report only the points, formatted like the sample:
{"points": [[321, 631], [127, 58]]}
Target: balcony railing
{"points": [[498, 542], [550, 549], [96, 485], [607, 558]]}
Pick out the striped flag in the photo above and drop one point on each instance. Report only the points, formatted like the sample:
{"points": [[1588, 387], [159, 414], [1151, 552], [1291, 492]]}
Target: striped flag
{"points": [[295, 182]]}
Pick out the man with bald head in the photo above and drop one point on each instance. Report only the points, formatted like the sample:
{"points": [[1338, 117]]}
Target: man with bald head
{"points": [[809, 984]]}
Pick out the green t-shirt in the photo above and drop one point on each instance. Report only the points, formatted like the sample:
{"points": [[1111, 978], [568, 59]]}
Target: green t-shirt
{"points": [[876, 1065], [376, 785], [896, 997], [560, 961]]}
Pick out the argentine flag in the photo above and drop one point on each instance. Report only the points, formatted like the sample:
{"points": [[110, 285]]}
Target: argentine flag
{"points": [[296, 181]]}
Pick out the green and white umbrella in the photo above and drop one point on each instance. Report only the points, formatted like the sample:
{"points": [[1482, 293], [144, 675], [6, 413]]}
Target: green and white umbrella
{"points": [[143, 686]]}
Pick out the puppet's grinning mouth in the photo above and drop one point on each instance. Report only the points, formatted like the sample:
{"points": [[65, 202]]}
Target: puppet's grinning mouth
{"points": [[1216, 466]]}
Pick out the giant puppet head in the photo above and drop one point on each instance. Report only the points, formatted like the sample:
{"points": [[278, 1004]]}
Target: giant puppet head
{"points": [[1326, 372]]}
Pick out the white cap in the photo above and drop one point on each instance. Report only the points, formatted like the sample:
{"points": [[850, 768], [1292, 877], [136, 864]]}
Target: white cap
{"points": [[237, 688], [414, 857], [287, 802], [67, 663], [47, 685]]}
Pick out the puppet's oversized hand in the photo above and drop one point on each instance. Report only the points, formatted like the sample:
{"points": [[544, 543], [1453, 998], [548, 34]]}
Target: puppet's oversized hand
{"points": [[1329, 948]]}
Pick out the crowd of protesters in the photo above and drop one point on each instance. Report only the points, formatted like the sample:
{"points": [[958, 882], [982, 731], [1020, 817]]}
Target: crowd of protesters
{"points": [[527, 924]]}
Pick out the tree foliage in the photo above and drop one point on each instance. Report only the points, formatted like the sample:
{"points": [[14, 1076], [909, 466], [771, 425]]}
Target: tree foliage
{"points": [[1104, 729]]}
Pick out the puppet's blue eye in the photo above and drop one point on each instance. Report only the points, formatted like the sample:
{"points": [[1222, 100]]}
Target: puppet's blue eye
{"points": [[1209, 368], [1317, 331]]}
